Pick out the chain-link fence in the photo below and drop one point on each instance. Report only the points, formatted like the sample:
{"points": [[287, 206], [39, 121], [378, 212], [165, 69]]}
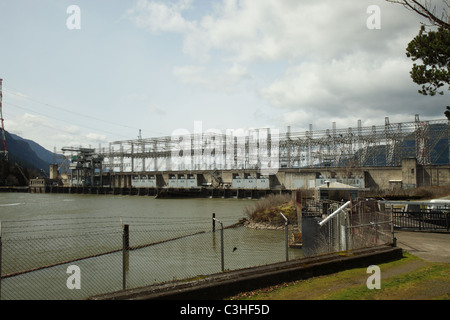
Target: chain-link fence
{"points": [[79, 258], [353, 225]]}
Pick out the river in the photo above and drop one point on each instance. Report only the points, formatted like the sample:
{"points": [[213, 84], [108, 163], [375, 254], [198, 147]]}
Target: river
{"points": [[45, 229]]}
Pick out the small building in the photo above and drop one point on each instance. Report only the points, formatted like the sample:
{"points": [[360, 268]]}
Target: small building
{"points": [[39, 185], [263, 182], [181, 181], [249, 181], [144, 181], [237, 182], [337, 191], [173, 183], [191, 181]]}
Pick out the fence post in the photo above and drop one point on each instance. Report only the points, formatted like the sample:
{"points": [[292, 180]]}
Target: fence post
{"points": [[125, 247], [0, 260], [420, 220], [221, 247], [394, 240], [213, 222], [221, 244], [286, 240], [446, 217]]}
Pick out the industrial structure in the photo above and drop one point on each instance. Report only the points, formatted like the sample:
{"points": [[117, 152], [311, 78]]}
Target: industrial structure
{"points": [[398, 155], [385, 145], [85, 166]]}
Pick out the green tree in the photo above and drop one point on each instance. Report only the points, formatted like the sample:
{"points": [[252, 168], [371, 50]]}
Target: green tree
{"points": [[431, 47]]}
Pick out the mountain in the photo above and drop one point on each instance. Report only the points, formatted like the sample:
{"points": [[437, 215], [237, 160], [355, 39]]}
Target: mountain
{"points": [[40, 151], [28, 154]]}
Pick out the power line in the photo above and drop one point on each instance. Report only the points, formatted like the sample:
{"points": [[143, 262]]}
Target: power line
{"points": [[42, 114], [75, 113], [4, 153], [70, 111]]}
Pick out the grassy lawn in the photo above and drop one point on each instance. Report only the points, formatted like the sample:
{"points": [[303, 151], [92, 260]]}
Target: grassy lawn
{"points": [[409, 278]]}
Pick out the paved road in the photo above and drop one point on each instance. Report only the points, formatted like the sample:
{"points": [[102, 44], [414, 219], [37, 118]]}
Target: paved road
{"points": [[429, 246]]}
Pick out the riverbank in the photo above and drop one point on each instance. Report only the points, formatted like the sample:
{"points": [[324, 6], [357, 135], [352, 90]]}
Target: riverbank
{"points": [[422, 274], [410, 278]]}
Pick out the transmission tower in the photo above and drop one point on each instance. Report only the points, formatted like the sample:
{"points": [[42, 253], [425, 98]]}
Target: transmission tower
{"points": [[4, 152]]}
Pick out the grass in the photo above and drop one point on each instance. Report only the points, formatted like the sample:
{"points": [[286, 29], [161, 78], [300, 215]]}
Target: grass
{"points": [[409, 278], [412, 285]]}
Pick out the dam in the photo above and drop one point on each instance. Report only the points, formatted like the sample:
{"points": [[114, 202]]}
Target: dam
{"points": [[211, 163]]}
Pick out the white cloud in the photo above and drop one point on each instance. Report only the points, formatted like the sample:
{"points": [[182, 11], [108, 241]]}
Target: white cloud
{"points": [[72, 129], [49, 133], [268, 30], [155, 109], [96, 138], [352, 79], [159, 17], [334, 66], [213, 78]]}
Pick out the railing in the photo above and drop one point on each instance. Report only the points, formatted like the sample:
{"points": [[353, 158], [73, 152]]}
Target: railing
{"points": [[421, 220], [419, 215]]}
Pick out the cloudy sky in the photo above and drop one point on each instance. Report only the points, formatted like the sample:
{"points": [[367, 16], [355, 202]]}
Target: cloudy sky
{"points": [[158, 66]]}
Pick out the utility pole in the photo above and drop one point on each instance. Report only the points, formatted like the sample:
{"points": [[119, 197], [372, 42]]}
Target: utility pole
{"points": [[4, 153]]}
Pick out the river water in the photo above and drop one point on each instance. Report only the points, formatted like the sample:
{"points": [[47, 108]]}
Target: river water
{"points": [[174, 236]]}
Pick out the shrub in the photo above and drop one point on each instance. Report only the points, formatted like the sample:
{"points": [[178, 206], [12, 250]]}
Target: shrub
{"points": [[267, 210]]}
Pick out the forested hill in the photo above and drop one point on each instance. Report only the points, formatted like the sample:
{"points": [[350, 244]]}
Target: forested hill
{"points": [[33, 160]]}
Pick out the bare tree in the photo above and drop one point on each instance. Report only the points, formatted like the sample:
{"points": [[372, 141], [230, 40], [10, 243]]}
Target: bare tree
{"points": [[427, 10]]}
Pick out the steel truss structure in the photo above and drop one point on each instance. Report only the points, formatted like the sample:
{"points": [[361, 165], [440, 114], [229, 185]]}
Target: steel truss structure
{"points": [[267, 149]]}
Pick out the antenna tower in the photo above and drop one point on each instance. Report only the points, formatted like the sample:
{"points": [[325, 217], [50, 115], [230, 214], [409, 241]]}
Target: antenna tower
{"points": [[4, 153]]}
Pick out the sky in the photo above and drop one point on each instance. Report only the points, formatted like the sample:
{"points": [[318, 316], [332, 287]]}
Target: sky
{"points": [[118, 68]]}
